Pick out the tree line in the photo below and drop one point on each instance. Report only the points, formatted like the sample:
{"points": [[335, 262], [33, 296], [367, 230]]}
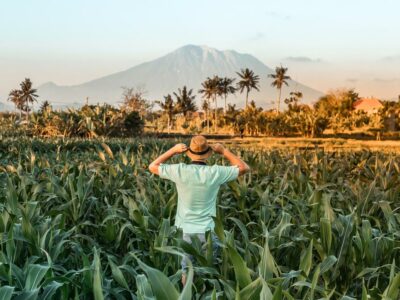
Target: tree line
{"points": [[179, 113]]}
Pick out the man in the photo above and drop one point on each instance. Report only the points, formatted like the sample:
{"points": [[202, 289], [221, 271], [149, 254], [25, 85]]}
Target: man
{"points": [[197, 185]]}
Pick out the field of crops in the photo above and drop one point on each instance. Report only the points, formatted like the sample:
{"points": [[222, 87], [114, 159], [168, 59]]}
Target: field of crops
{"points": [[85, 219]]}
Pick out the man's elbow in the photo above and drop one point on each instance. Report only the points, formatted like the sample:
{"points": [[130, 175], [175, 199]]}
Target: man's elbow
{"points": [[244, 169], [153, 169]]}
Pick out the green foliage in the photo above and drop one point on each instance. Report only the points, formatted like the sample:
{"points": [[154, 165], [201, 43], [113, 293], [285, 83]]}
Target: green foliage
{"points": [[84, 219], [134, 124], [185, 101]]}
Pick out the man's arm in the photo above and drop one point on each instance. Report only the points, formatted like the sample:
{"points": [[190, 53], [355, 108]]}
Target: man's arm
{"points": [[178, 148], [233, 159]]}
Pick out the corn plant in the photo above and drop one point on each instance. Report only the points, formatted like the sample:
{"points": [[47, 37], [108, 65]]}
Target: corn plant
{"points": [[84, 219]]}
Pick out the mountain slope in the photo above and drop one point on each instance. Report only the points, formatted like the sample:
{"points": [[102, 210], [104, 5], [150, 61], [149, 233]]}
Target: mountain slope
{"points": [[5, 107], [188, 65]]}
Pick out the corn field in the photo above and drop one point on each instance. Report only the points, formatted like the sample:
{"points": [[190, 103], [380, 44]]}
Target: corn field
{"points": [[84, 219]]}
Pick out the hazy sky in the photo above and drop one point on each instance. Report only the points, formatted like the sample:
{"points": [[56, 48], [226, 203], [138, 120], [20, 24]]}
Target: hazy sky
{"points": [[325, 44]]}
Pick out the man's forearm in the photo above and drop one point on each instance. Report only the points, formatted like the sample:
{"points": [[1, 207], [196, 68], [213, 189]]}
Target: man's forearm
{"points": [[163, 157], [236, 161], [178, 148], [153, 167]]}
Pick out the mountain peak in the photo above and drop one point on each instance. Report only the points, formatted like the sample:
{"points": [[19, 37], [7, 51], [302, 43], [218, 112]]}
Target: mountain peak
{"points": [[48, 84], [189, 47], [188, 65], [204, 48]]}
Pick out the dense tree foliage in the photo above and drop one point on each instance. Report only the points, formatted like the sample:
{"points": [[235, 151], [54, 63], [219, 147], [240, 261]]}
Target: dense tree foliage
{"points": [[333, 113]]}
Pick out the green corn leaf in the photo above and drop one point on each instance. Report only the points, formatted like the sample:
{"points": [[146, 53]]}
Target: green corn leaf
{"points": [[364, 292], [6, 292], [209, 250], [252, 291], [186, 293], [266, 293], [28, 295], [306, 259], [347, 222], [327, 264], [242, 273], [278, 293], [228, 289], [267, 266], [242, 228], [12, 198], [366, 235], [50, 289], [97, 286], [314, 282], [35, 276], [117, 274], [160, 284], [213, 294], [326, 235], [144, 289], [393, 289]]}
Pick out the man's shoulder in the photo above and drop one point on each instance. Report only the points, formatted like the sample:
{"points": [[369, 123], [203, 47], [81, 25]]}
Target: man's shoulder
{"points": [[173, 165], [223, 167]]}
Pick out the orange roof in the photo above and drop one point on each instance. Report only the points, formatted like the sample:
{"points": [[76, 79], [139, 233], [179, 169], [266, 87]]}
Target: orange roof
{"points": [[367, 104]]}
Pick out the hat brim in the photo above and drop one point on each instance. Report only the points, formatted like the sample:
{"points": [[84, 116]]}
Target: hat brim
{"points": [[201, 156]]}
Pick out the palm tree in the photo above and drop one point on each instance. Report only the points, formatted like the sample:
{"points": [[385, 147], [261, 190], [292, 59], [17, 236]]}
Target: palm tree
{"points": [[297, 95], [210, 89], [28, 94], [169, 108], [45, 107], [227, 88], [248, 81], [280, 78], [15, 97], [185, 101], [294, 98], [217, 83], [205, 107]]}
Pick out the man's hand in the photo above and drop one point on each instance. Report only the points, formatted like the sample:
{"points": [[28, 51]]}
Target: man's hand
{"points": [[218, 148], [179, 148], [233, 159]]}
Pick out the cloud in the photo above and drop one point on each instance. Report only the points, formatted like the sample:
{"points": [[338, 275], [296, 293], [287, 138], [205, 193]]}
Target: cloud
{"points": [[386, 80], [391, 58], [352, 80], [303, 59], [274, 14], [258, 36]]}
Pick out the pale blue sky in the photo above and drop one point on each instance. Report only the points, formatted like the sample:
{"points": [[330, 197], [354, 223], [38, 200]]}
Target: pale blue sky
{"points": [[325, 44]]}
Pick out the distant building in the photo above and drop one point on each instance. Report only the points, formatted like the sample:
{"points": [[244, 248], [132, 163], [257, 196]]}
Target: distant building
{"points": [[368, 105]]}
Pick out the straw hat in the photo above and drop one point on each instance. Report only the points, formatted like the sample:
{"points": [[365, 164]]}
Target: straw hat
{"points": [[199, 148]]}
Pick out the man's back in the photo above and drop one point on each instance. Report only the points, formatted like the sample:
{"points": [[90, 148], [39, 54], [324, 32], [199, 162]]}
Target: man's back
{"points": [[198, 187]]}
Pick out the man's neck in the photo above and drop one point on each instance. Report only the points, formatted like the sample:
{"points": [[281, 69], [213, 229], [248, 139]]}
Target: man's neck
{"points": [[198, 162]]}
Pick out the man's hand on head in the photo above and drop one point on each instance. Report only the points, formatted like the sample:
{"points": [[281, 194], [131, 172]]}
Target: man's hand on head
{"points": [[233, 159], [180, 148], [218, 148], [177, 149]]}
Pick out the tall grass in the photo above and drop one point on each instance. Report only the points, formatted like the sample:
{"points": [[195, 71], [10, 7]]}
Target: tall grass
{"points": [[85, 220]]}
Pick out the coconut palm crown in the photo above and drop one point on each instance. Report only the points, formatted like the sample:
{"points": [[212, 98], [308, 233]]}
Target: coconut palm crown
{"points": [[248, 81], [227, 88], [280, 78]]}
